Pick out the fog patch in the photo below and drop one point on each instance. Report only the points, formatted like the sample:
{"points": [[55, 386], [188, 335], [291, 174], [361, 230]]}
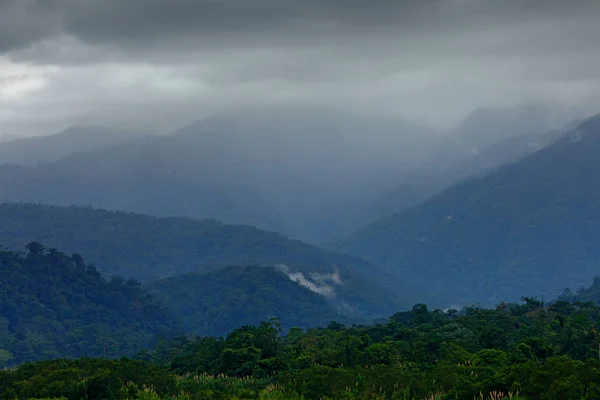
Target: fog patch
{"points": [[323, 284]]}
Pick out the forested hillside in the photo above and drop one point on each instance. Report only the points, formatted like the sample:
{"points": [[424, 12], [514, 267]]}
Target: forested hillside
{"points": [[527, 351], [55, 305], [217, 302], [528, 228], [148, 248], [584, 294]]}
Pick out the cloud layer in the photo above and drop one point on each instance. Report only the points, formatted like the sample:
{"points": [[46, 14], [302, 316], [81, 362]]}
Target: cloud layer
{"points": [[159, 64]]}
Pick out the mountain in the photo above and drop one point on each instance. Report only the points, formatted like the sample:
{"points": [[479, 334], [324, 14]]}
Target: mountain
{"points": [[486, 126], [485, 140], [529, 227], [54, 305], [147, 248], [418, 187], [295, 173], [217, 302], [503, 152], [33, 150], [8, 137]]}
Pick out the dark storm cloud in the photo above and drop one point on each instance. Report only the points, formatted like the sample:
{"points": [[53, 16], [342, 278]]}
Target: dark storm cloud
{"points": [[146, 24], [23, 22], [135, 22], [432, 60]]}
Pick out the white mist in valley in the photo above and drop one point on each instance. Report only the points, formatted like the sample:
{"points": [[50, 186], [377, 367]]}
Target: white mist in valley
{"points": [[323, 284]]}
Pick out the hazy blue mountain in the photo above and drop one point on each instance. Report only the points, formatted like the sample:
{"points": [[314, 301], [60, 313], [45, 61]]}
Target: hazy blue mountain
{"points": [[486, 126], [299, 174], [148, 248], [529, 227], [33, 150], [418, 187], [504, 152]]}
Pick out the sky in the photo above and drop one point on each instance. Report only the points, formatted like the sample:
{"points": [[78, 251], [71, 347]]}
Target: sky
{"points": [[161, 64]]}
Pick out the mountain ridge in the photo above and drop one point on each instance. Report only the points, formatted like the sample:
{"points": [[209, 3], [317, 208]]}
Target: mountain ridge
{"points": [[532, 219], [32, 150], [148, 248]]}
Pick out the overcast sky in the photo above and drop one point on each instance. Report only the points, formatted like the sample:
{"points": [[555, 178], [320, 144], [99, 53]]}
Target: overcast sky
{"points": [[161, 64]]}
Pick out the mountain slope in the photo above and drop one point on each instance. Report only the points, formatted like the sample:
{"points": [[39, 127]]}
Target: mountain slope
{"points": [[528, 228], [297, 173], [484, 141], [486, 126], [33, 150], [217, 302], [418, 187], [54, 305], [148, 248]]}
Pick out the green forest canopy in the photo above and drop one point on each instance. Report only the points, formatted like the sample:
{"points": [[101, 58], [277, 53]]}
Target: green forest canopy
{"points": [[528, 351], [54, 305]]}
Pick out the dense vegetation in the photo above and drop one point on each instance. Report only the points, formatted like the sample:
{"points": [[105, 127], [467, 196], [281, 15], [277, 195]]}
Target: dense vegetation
{"points": [[217, 302], [54, 305], [526, 351], [589, 294], [146, 248], [530, 227]]}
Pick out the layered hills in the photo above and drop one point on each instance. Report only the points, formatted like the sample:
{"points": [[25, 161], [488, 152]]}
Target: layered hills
{"points": [[148, 248], [528, 227]]}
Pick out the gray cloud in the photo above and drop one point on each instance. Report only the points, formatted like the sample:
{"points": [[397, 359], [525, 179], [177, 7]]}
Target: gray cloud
{"points": [[23, 22], [122, 62], [147, 26]]}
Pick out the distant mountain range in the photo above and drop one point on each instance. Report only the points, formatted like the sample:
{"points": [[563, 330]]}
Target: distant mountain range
{"points": [[308, 174], [486, 126], [529, 227], [33, 150], [300, 174], [419, 186]]}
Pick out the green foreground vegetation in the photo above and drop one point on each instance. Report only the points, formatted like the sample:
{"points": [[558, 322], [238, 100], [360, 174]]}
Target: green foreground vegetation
{"points": [[54, 305], [520, 351]]}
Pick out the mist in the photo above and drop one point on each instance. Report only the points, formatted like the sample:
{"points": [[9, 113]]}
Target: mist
{"points": [[311, 119]]}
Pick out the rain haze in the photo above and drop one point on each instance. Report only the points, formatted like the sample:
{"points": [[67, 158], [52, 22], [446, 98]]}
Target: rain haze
{"points": [[309, 118], [158, 65]]}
